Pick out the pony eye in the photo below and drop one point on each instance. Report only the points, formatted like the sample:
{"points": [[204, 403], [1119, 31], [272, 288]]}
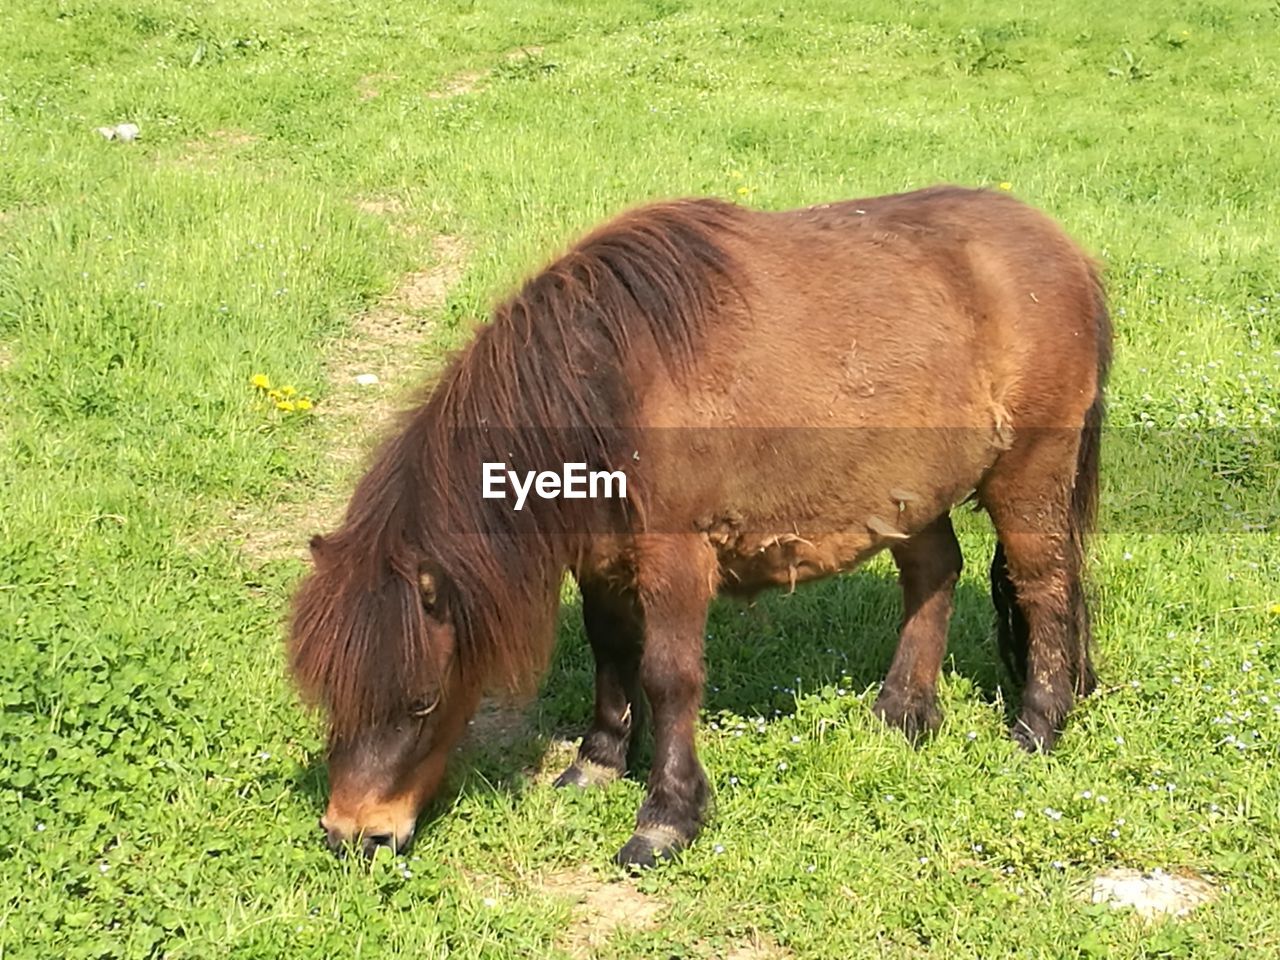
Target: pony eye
{"points": [[423, 708]]}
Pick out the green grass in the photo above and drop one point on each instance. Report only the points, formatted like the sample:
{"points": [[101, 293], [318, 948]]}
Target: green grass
{"points": [[159, 786]]}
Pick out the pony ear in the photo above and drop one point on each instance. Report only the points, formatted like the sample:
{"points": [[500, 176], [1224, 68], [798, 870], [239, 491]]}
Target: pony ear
{"points": [[427, 584], [317, 546]]}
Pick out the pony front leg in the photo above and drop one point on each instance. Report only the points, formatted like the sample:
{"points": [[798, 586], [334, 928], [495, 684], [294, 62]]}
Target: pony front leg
{"points": [[676, 578], [929, 566], [615, 631]]}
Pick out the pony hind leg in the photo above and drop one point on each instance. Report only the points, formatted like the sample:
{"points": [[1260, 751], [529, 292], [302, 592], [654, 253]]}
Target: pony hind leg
{"points": [[1042, 622], [677, 581], [929, 566], [615, 632]]}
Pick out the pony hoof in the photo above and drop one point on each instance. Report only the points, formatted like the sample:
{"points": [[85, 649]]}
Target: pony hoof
{"points": [[583, 774], [1034, 735], [650, 845], [917, 718]]}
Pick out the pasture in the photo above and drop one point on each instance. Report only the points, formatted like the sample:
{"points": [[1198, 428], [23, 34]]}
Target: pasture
{"points": [[330, 196]]}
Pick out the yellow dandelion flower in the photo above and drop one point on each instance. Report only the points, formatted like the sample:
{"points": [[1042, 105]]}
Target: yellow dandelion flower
{"points": [[743, 191], [286, 405], [288, 391], [1006, 185], [735, 174], [1274, 608], [302, 403], [260, 381], [274, 395]]}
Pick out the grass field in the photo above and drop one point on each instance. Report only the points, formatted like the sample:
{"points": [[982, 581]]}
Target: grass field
{"points": [[322, 189]]}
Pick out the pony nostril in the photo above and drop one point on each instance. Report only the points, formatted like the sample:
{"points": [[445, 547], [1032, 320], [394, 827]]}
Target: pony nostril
{"points": [[373, 841]]}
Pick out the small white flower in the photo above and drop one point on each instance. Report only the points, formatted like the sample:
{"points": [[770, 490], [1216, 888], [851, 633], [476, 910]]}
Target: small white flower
{"points": [[104, 867], [718, 848], [1102, 798], [795, 739], [39, 828], [1019, 814], [811, 868], [1058, 865], [733, 781], [489, 902], [972, 735], [1086, 794], [924, 860], [1128, 555], [1052, 814], [1246, 666], [888, 798], [1120, 741], [782, 765], [977, 848]]}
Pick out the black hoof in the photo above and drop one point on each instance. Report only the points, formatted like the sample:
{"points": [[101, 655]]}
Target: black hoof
{"points": [[583, 774], [650, 845], [917, 717], [1033, 734]]}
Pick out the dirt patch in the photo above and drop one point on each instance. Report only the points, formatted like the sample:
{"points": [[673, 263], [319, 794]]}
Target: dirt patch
{"points": [[382, 343], [368, 371], [207, 151], [382, 206], [601, 907], [759, 946], [498, 724], [468, 81], [458, 85], [369, 87], [604, 907], [1152, 894], [232, 138]]}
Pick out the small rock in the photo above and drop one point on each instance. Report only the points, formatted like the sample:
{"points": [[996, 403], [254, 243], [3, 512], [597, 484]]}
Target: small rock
{"points": [[366, 379], [128, 132]]}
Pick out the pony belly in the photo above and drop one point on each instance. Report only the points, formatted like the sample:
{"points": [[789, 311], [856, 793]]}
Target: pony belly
{"points": [[754, 564]]}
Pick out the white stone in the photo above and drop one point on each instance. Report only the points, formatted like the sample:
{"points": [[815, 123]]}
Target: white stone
{"points": [[1152, 894]]}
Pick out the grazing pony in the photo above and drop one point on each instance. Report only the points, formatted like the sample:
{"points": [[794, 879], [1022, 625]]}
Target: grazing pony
{"points": [[786, 394]]}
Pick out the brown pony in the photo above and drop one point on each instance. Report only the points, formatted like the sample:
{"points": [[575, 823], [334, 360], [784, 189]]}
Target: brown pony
{"points": [[786, 394]]}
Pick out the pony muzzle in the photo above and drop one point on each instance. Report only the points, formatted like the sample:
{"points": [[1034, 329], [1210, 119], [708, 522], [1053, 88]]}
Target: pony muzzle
{"points": [[345, 838]]}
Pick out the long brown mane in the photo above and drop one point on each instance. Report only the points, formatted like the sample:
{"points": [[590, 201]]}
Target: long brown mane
{"points": [[539, 386]]}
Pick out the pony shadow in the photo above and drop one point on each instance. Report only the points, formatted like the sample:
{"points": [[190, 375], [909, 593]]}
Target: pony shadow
{"points": [[762, 656]]}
